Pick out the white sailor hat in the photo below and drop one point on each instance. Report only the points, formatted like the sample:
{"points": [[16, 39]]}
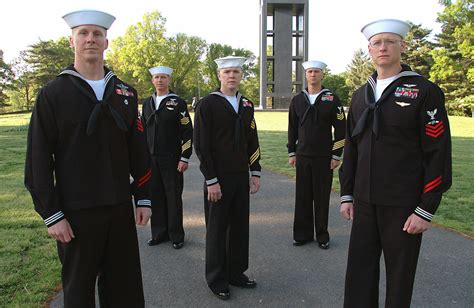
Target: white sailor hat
{"points": [[386, 25], [230, 61], [161, 70], [89, 17], [314, 64]]}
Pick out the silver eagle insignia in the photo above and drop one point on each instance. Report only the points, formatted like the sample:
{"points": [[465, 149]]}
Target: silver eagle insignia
{"points": [[431, 114]]}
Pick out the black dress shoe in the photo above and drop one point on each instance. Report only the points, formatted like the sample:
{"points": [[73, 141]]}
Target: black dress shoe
{"points": [[224, 295], [243, 282], [156, 241], [301, 243], [178, 245], [324, 245]]}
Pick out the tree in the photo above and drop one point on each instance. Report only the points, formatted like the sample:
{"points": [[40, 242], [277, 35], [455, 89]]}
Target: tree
{"points": [[48, 58], [358, 71], [144, 45], [453, 68], [141, 47], [418, 52], [250, 85], [337, 83], [6, 77], [24, 84], [183, 55]]}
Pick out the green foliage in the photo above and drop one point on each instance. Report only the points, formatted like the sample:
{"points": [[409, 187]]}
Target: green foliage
{"points": [[453, 68], [250, 86], [183, 53], [6, 77], [337, 83], [140, 48], [47, 58], [358, 71], [22, 97], [417, 53]]}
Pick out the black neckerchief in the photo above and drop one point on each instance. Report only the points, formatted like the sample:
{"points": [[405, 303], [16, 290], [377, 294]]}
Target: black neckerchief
{"points": [[373, 107], [109, 77], [238, 126], [312, 106]]}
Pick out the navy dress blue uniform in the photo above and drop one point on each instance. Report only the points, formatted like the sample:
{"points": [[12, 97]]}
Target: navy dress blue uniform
{"points": [[226, 143], [397, 162], [80, 155], [311, 139], [169, 137]]}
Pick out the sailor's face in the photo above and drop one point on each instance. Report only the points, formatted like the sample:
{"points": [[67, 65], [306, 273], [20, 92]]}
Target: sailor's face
{"points": [[314, 76], [386, 49], [161, 82], [89, 41], [230, 78]]}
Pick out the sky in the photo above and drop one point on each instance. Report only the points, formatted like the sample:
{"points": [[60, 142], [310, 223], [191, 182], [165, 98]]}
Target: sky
{"points": [[333, 25]]}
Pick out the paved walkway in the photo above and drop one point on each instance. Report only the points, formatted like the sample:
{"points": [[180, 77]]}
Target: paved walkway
{"points": [[291, 276]]}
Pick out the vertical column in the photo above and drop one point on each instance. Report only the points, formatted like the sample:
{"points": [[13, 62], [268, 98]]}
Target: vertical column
{"points": [[282, 53]]}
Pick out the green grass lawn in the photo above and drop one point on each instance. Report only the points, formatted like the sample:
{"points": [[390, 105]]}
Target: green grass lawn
{"points": [[29, 267]]}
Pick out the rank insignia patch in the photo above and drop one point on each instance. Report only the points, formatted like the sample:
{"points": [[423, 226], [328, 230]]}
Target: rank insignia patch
{"points": [[406, 92], [184, 121], [340, 114], [434, 130]]}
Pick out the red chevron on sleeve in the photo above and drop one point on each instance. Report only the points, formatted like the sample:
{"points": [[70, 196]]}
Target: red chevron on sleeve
{"points": [[144, 178], [433, 184], [139, 125], [434, 130]]}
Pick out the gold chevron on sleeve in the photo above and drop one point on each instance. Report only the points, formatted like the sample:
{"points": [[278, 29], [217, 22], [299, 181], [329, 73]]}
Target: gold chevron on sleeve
{"points": [[340, 116], [186, 146], [185, 121], [252, 124], [337, 145], [255, 156]]}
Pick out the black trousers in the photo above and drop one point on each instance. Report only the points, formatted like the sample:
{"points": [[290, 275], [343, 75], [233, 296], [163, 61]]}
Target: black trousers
{"points": [[167, 203], [313, 189], [378, 229], [105, 246], [227, 236]]}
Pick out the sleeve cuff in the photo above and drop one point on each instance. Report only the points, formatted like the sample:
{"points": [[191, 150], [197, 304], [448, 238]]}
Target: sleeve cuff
{"points": [[336, 157], [53, 219], [423, 214], [184, 159], [144, 203], [347, 199], [211, 181], [291, 154], [256, 173]]}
